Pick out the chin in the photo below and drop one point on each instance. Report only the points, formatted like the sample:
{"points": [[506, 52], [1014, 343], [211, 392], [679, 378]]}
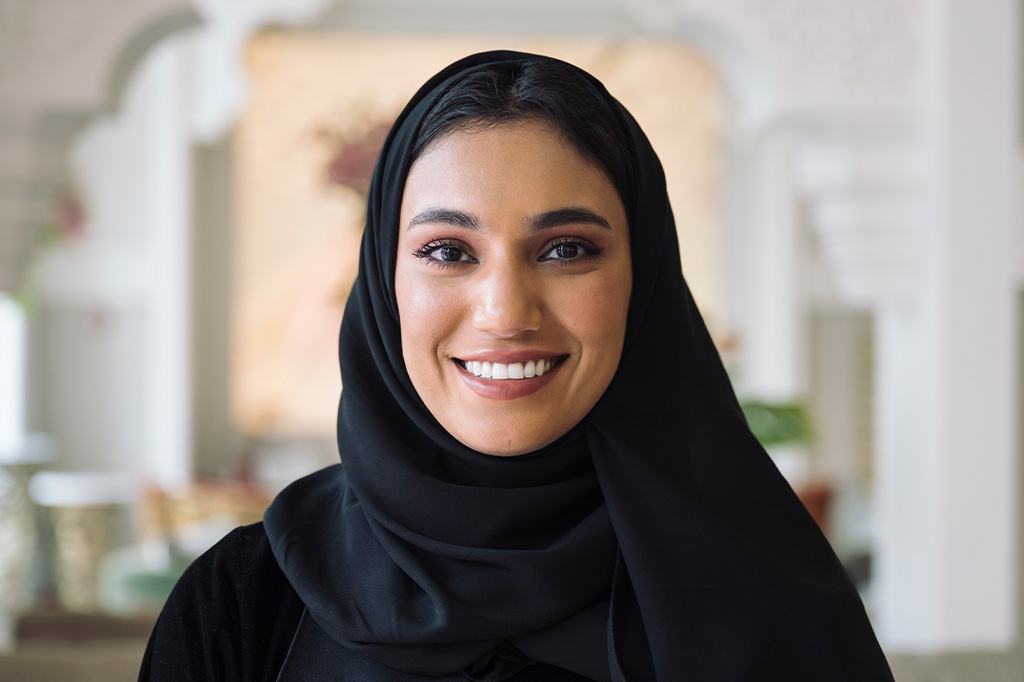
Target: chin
{"points": [[498, 447]]}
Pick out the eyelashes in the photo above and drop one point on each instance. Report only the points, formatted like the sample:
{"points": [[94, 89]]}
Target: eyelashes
{"points": [[444, 253], [450, 253], [567, 250]]}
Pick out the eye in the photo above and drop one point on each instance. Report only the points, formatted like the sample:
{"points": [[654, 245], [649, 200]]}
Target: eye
{"points": [[567, 250], [570, 249], [448, 254], [444, 253]]}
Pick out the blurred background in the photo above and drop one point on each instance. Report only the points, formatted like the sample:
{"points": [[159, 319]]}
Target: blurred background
{"points": [[182, 189]]}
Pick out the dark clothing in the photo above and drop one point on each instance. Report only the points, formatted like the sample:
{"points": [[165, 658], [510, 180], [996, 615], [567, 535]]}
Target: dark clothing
{"points": [[233, 617]]}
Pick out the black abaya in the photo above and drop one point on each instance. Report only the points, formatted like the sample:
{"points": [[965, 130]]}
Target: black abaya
{"points": [[233, 616]]}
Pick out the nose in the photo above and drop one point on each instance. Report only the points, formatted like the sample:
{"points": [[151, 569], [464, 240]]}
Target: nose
{"points": [[508, 300]]}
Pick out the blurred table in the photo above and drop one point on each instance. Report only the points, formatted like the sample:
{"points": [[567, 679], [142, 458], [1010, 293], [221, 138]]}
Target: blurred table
{"points": [[57, 646]]}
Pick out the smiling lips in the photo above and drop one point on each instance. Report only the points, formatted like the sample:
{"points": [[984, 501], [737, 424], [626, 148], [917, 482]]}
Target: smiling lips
{"points": [[506, 381], [514, 370]]}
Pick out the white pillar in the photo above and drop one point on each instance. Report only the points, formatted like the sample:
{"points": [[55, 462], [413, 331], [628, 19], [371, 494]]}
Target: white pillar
{"points": [[907, 492], [947, 471], [169, 211], [765, 300], [12, 377], [116, 298]]}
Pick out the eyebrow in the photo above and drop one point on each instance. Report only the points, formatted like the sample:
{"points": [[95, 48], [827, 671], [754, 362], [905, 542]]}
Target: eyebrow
{"points": [[446, 216], [571, 215]]}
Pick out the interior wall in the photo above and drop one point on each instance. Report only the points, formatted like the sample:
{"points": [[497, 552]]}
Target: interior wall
{"points": [[106, 294], [60, 64], [215, 443], [840, 401], [97, 411]]}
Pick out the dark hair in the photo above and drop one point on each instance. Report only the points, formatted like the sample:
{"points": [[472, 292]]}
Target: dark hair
{"points": [[535, 89]]}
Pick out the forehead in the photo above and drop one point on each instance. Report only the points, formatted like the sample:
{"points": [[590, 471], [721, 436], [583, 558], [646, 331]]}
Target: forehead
{"points": [[525, 165]]}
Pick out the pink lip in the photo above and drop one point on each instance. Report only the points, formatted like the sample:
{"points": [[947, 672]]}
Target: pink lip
{"points": [[505, 389]]}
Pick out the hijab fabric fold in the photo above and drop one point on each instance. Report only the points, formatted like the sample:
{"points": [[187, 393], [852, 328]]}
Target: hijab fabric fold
{"points": [[654, 541]]}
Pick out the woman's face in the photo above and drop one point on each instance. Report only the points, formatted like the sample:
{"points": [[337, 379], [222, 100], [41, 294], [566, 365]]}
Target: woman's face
{"points": [[513, 280]]}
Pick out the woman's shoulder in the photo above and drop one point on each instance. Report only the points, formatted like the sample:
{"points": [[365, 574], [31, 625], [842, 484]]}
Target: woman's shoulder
{"points": [[244, 554], [232, 615], [238, 574]]}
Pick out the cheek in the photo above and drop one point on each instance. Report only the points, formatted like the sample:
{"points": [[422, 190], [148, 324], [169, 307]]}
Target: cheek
{"points": [[596, 316], [427, 312]]}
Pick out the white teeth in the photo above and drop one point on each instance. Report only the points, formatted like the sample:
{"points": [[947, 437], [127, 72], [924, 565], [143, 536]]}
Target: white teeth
{"points": [[515, 370]]}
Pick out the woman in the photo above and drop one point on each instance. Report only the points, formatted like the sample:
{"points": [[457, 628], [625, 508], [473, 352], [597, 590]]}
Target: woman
{"points": [[546, 475]]}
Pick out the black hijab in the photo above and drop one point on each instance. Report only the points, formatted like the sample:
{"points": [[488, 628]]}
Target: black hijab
{"points": [[654, 541]]}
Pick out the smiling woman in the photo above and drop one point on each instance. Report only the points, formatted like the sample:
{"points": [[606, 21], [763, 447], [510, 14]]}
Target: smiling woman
{"points": [[512, 278], [520, 294]]}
